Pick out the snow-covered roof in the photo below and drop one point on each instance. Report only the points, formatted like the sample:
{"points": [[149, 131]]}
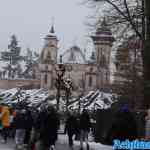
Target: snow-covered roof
{"points": [[93, 100], [74, 55]]}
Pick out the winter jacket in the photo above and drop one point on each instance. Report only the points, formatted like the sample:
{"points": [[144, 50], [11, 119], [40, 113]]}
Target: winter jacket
{"points": [[48, 124], [85, 123], [5, 114], [28, 120], [123, 127], [71, 126], [20, 121]]}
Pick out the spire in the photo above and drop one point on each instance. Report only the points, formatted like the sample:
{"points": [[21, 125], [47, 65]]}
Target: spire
{"points": [[52, 29], [52, 26]]}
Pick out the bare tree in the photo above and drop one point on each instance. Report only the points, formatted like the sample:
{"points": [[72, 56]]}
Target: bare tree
{"points": [[135, 15]]}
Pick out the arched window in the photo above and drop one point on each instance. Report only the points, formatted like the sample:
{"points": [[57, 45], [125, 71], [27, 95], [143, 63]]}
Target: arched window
{"points": [[107, 76], [90, 81], [45, 78], [48, 57]]}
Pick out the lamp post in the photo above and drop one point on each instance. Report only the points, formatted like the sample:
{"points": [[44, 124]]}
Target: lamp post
{"points": [[60, 71], [82, 91], [67, 87], [18, 94]]}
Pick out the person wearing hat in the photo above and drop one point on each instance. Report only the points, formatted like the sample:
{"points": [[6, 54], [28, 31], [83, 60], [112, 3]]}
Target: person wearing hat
{"points": [[5, 117]]}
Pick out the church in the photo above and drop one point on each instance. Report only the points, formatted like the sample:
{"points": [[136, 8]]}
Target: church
{"points": [[85, 75]]}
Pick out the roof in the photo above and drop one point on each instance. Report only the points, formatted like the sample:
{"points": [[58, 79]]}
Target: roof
{"points": [[103, 28], [103, 32], [51, 34], [74, 55]]}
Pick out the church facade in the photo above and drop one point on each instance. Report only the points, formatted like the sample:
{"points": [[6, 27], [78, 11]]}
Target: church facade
{"points": [[84, 75]]}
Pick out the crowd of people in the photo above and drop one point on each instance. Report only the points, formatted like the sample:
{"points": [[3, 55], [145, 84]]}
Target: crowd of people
{"points": [[37, 129]]}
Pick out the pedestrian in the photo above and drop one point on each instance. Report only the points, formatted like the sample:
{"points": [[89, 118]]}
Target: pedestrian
{"points": [[147, 125], [77, 134], [85, 125], [48, 129], [20, 126], [28, 127], [123, 126], [4, 117], [34, 135], [11, 121], [71, 128]]}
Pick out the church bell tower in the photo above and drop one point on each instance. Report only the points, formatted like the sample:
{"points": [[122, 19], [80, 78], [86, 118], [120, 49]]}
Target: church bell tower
{"points": [[48, 59], [103, 40]]}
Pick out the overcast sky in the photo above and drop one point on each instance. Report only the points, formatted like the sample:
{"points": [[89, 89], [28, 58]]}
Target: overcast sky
{"points": [[30, 21]]}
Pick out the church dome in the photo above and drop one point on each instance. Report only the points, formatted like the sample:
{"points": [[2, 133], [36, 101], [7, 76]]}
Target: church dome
{"points": [[74, 55], [103, 33], [103, 29]]}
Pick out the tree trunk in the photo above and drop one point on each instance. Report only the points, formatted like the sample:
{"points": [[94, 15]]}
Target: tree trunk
{"points": [[146, 57]]}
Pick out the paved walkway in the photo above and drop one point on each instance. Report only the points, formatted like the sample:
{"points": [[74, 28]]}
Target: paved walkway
{"points": [[60, 145]]}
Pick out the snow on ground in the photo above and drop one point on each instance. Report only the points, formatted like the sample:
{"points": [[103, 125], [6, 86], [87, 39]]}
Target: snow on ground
{"points": [[94, 146]]}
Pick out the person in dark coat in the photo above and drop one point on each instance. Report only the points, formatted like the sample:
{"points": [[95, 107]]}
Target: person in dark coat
{"points": [[124, 126], [48, 128], [85, 125], [20, 125], [71, 127], [28, 126]]}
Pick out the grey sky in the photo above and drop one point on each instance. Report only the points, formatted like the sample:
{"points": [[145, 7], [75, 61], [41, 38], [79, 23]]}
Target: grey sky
{"points": [[30, 20]]}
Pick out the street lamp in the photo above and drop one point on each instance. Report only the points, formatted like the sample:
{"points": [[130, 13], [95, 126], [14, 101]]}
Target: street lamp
{"points": [[60, 71], [67, 88], [18, 93], [82, 91]]}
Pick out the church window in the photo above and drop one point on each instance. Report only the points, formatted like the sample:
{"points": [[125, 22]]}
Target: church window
{"points": [[90, 81], [45, 78], [48, 56], [91, 69], [107, 76]]}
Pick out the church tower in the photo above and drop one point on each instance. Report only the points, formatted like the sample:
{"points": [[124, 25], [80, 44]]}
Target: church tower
{"points": [[49, 52], [48, 59], [103, 41]]}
